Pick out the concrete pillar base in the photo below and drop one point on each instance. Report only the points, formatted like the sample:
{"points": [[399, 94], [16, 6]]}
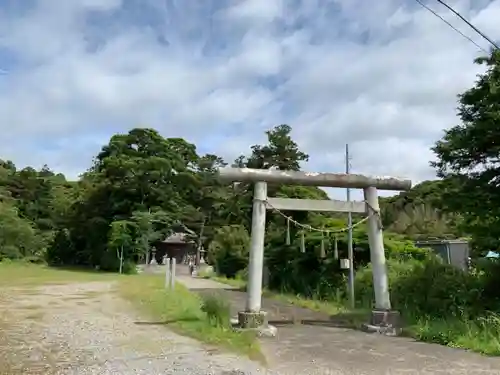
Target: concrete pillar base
{"points": [[248, 319], [256, 322], [385, 322]]}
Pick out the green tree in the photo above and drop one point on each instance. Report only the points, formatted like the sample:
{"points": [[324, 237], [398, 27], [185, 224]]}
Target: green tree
{"points": [[147, 223], [140, 171], [281, 152], [468, 157], [18, 238], [120, 238], [208, 209]]}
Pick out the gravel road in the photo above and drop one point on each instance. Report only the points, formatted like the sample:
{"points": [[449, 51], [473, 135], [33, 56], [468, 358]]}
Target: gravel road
{"points": [[86, 328]]}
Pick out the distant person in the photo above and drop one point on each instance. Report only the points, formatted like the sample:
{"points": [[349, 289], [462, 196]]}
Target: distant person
{"points": [[191, 267]]}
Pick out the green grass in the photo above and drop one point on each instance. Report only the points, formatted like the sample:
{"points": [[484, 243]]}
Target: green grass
{"points": [[315, 304], [480, 335], [188, 314], [14, 274], [237, 283]]}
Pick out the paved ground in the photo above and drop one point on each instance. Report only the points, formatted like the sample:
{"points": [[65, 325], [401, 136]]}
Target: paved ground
{"points": [[320, 346], [86, 329]]}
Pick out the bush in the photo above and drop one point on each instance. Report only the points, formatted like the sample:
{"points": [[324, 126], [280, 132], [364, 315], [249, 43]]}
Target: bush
{"points": [[217, 310], [109, 261], [429, 288], [363, 280], [129, 267], [18, 238], [487, 272], [242, 275], [229, 250], [438, 289], [402, 249]]}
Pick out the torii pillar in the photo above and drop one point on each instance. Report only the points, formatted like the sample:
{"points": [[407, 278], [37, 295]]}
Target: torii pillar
{"points": [[383, 317]]}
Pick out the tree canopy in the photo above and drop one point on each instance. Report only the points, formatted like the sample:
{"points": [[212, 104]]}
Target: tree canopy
{"points": [[468, 158]]}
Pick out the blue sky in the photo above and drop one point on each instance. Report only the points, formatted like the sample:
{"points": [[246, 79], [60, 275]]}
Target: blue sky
{"points": [[381, 76]]}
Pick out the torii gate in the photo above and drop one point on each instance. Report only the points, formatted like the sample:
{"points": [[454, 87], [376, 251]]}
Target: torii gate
{"points": [[253, 317]]}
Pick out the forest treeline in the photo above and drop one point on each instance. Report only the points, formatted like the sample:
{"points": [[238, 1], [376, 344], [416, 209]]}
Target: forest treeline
{"points": [[142, 185]]}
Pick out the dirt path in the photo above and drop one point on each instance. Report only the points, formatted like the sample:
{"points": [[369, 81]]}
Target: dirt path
{"points": [[321, 346], [86, 328]]}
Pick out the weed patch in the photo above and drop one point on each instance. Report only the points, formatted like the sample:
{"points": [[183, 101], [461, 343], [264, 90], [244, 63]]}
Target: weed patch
{"points": [[217, 310], [479, 335]]}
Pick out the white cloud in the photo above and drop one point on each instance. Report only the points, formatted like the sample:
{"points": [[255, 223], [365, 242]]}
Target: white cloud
{"points": [[257, 10], [383, 78]]}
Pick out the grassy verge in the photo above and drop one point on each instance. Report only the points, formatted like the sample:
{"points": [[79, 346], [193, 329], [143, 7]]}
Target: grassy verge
{"points": [[480, 335], [182, 311], [13, 274], [237, 283]]}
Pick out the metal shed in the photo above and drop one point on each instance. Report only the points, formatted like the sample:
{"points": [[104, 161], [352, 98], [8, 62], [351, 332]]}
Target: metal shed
{"points": [[455, 252]]}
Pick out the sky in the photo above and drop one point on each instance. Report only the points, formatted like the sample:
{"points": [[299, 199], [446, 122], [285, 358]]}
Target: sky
{"points": [[382, 76]]}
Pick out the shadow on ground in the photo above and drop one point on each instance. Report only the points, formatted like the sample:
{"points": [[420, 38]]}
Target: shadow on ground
{"points": [[166, 322], [349, 321], [79, 270]]}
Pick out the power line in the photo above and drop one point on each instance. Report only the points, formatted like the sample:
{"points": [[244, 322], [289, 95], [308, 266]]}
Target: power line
{"points": [[468, 23], [450, 25]]}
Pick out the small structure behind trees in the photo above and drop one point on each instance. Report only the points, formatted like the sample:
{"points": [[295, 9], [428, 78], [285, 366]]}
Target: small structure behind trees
{"points": [[178, 245]]}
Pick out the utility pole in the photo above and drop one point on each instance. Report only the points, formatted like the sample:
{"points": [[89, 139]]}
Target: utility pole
{"points": [[350, 251]]}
